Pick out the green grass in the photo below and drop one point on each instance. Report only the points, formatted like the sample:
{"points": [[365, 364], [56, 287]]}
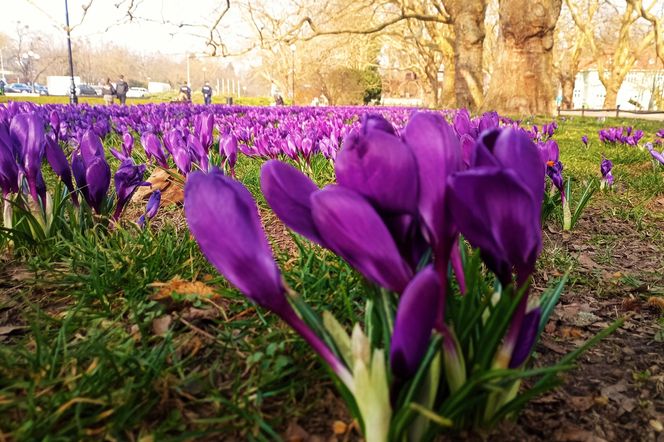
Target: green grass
{"points": [[89, 364]]}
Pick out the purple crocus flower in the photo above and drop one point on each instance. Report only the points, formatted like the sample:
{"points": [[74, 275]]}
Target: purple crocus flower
{"points": [[659, 157], [380, 167], [127, 179], [91, 171], [605, 168], [288, 192], [526, 338], [414, 323], [8, 167], [497, 213], [370, 122], [58, 161], [204, 130], [228, 150], [223, 218], [151, 209], [153, 148], [352, 228], [28, 136], [584, 140]]}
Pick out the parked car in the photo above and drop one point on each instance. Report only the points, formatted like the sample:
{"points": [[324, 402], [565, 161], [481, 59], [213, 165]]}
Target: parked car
{"points": [[98, 89], [21, 88], [137, 92], [85, 90], [40, 89]]}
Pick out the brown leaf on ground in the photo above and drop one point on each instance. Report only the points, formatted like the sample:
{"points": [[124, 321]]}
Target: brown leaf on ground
{"points": [[576, 434], [657, 302], [587, 262], [192, 289], [295, 433], [172, 192], [581, 403], [161, 324]]}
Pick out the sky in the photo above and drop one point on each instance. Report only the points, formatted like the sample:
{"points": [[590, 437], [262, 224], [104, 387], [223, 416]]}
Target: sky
{"points": [[107, 21]]}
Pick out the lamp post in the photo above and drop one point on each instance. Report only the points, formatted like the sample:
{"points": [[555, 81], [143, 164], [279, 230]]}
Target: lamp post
{"points": [[292, 49], [73, 99]]}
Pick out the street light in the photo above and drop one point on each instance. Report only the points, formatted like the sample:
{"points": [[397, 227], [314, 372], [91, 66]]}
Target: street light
{"points": [[73, 99], [292, 49]]}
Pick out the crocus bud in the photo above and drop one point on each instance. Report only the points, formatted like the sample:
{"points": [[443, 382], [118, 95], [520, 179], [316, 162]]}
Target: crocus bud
{"points": [[288, 192], [352, 228], [127, 179], [27, 132], [498, 214], [526, 338], [223, 218], [380, 167], [414, 323]]}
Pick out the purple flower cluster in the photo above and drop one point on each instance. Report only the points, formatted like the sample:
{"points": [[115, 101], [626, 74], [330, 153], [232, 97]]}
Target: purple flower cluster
{"points": [[397, 195], [621, 135]]}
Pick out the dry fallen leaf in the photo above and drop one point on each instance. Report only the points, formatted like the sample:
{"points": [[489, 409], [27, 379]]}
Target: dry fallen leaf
{"points": [[193, 289], [656, 301], [339, 427], [295, 433], [160, 325]]}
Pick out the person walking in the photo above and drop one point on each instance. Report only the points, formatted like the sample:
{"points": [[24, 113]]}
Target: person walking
{"points": [[121, 89], [185, 92], [108, 91], [207, 93]]}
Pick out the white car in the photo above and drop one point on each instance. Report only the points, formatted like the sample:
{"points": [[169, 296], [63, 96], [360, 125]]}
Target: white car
{"points": [[137, 92]]}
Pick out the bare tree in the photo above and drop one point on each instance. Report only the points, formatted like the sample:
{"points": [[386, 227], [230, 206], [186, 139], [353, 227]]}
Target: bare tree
{"points": [[616, 55], [657, 22], [569, 47], [522, 77]]}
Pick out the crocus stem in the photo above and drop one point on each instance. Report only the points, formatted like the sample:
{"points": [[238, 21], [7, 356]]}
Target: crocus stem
{"points": [[567, 214], [7, 213], [320, 347]]}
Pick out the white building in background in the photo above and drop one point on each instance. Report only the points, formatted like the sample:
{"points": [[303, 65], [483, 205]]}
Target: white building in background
{"points": [[635, 93]]}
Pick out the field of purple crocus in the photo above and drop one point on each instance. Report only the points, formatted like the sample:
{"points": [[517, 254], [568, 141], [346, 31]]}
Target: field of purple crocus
{"points": [[253, 273]]}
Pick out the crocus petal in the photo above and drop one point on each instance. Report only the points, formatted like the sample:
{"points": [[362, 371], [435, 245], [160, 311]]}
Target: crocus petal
{"points": [[98, 179], [127, 179], [438, 154], [27, 131], [58, 161], [516, 151], [497, 213], [414, 323], [381, 168], [370, 122], [8, 167], [288, 192], [223, 218], [352, 228], [526, 339], [91, 147]]}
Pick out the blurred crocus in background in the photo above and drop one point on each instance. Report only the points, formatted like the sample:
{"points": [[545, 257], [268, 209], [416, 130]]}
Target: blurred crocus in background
{"points": [[607, 177], [584, 140], [128, 178], [151, 208], [657, 156]]}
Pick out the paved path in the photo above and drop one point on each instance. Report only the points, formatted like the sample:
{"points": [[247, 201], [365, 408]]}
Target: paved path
{"points": [[612, 114]]}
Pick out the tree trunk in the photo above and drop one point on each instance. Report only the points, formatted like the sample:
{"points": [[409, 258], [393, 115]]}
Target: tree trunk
{"points": [[611, 98], [567, 83], [521, 83], [468, 22], [447, 96]]}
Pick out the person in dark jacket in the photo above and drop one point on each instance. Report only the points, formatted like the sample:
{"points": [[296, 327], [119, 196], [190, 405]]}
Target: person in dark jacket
{"points": [[207, 93], [121, 89], [185, 92]]}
